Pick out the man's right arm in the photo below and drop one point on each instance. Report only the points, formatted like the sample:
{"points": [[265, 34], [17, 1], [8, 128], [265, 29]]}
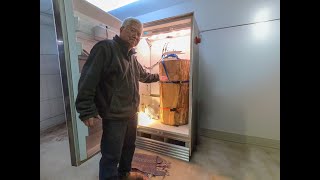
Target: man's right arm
{"points": [[89, 79]]}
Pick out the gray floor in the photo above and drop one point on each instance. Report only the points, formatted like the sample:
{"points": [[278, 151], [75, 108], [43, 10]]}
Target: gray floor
{"points": [[213, 160]]}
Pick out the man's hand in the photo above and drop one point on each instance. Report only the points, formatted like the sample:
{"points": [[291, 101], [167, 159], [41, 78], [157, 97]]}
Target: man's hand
{"points": [[163, 78], [91, 121]]}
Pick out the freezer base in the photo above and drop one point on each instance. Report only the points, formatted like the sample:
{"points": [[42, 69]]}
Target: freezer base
{"points": [[164, 148]]}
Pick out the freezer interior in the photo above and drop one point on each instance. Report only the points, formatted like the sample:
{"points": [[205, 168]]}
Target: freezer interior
{"points": [[171, 37]]}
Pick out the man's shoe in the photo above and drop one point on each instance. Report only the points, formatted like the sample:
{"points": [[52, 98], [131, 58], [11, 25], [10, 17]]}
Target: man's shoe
{"points": [[131, 176]]}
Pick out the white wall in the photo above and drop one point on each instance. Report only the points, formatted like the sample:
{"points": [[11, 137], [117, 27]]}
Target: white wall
{"points": [[51, 99], [239, 66]]}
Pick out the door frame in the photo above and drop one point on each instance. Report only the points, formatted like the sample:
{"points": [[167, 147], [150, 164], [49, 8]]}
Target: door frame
{"points": [[69, 69]]}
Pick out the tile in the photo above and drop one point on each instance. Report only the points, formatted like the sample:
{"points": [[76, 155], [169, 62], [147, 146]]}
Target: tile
{"points": [[47, 40], [44, 94], [45, 111], [50, 122], [54, 86], [56, 106], [49, 64]]}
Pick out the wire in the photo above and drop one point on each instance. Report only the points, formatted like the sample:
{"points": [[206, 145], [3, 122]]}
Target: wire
{"points": [[151, 67], [164, 49]]}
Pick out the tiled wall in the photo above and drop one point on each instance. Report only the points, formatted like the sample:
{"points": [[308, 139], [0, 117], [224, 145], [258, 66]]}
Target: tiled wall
{"points": [[51, 98]]}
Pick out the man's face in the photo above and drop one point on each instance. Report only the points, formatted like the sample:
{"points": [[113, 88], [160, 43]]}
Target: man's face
{"points": [[131, 34]]}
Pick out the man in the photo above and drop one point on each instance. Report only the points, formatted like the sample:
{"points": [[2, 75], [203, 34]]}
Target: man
{"points": [[109, 91]]}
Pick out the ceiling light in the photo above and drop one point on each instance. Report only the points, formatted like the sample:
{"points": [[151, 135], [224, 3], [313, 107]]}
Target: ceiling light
{"points": [[109, 5]]}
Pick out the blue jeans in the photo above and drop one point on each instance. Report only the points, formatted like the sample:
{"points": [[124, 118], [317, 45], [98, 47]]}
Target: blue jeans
{"points": [[117, 147]]}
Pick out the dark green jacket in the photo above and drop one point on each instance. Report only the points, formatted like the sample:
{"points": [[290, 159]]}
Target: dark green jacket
{"points": [[109, 82]]}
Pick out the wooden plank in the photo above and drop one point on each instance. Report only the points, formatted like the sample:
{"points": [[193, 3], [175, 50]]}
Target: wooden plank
{"points": [[174, 98]]}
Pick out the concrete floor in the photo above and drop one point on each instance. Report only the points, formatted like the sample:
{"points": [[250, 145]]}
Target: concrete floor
{"points": [[213, 160]]}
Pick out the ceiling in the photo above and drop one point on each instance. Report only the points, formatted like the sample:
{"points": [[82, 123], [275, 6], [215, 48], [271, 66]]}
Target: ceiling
{"points": [[137, 8]]}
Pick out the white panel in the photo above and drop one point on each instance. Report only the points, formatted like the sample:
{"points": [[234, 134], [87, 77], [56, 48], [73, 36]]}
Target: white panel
{"points": [[54, 86], [44, 87], [53, 64], [48, 123], [51, 110], [50, 86], [220, 13], [46, 19], [57, 86], [43, 64], [45, 5], [224, 13], [56, 106], [47, 40], [239, 67], [241, 75], [44, 110], [41, 88], [60, 102], [49, 64]]}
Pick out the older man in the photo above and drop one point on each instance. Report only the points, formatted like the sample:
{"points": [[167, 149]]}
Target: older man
{"points": [[109, 91]]}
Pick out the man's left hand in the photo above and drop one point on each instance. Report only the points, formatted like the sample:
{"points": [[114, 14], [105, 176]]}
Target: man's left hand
{"points": [[163, 78]]}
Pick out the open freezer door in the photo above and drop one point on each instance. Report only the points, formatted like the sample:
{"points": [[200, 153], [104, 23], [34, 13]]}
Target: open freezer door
{"points": [[79, 25], [193, 105]]}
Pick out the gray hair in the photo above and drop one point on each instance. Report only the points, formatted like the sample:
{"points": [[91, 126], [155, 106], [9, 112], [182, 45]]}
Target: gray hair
{"points": [[130, 20]]}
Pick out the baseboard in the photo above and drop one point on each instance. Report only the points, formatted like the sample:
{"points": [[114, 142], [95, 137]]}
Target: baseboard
{"points": [[226, 136]]}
